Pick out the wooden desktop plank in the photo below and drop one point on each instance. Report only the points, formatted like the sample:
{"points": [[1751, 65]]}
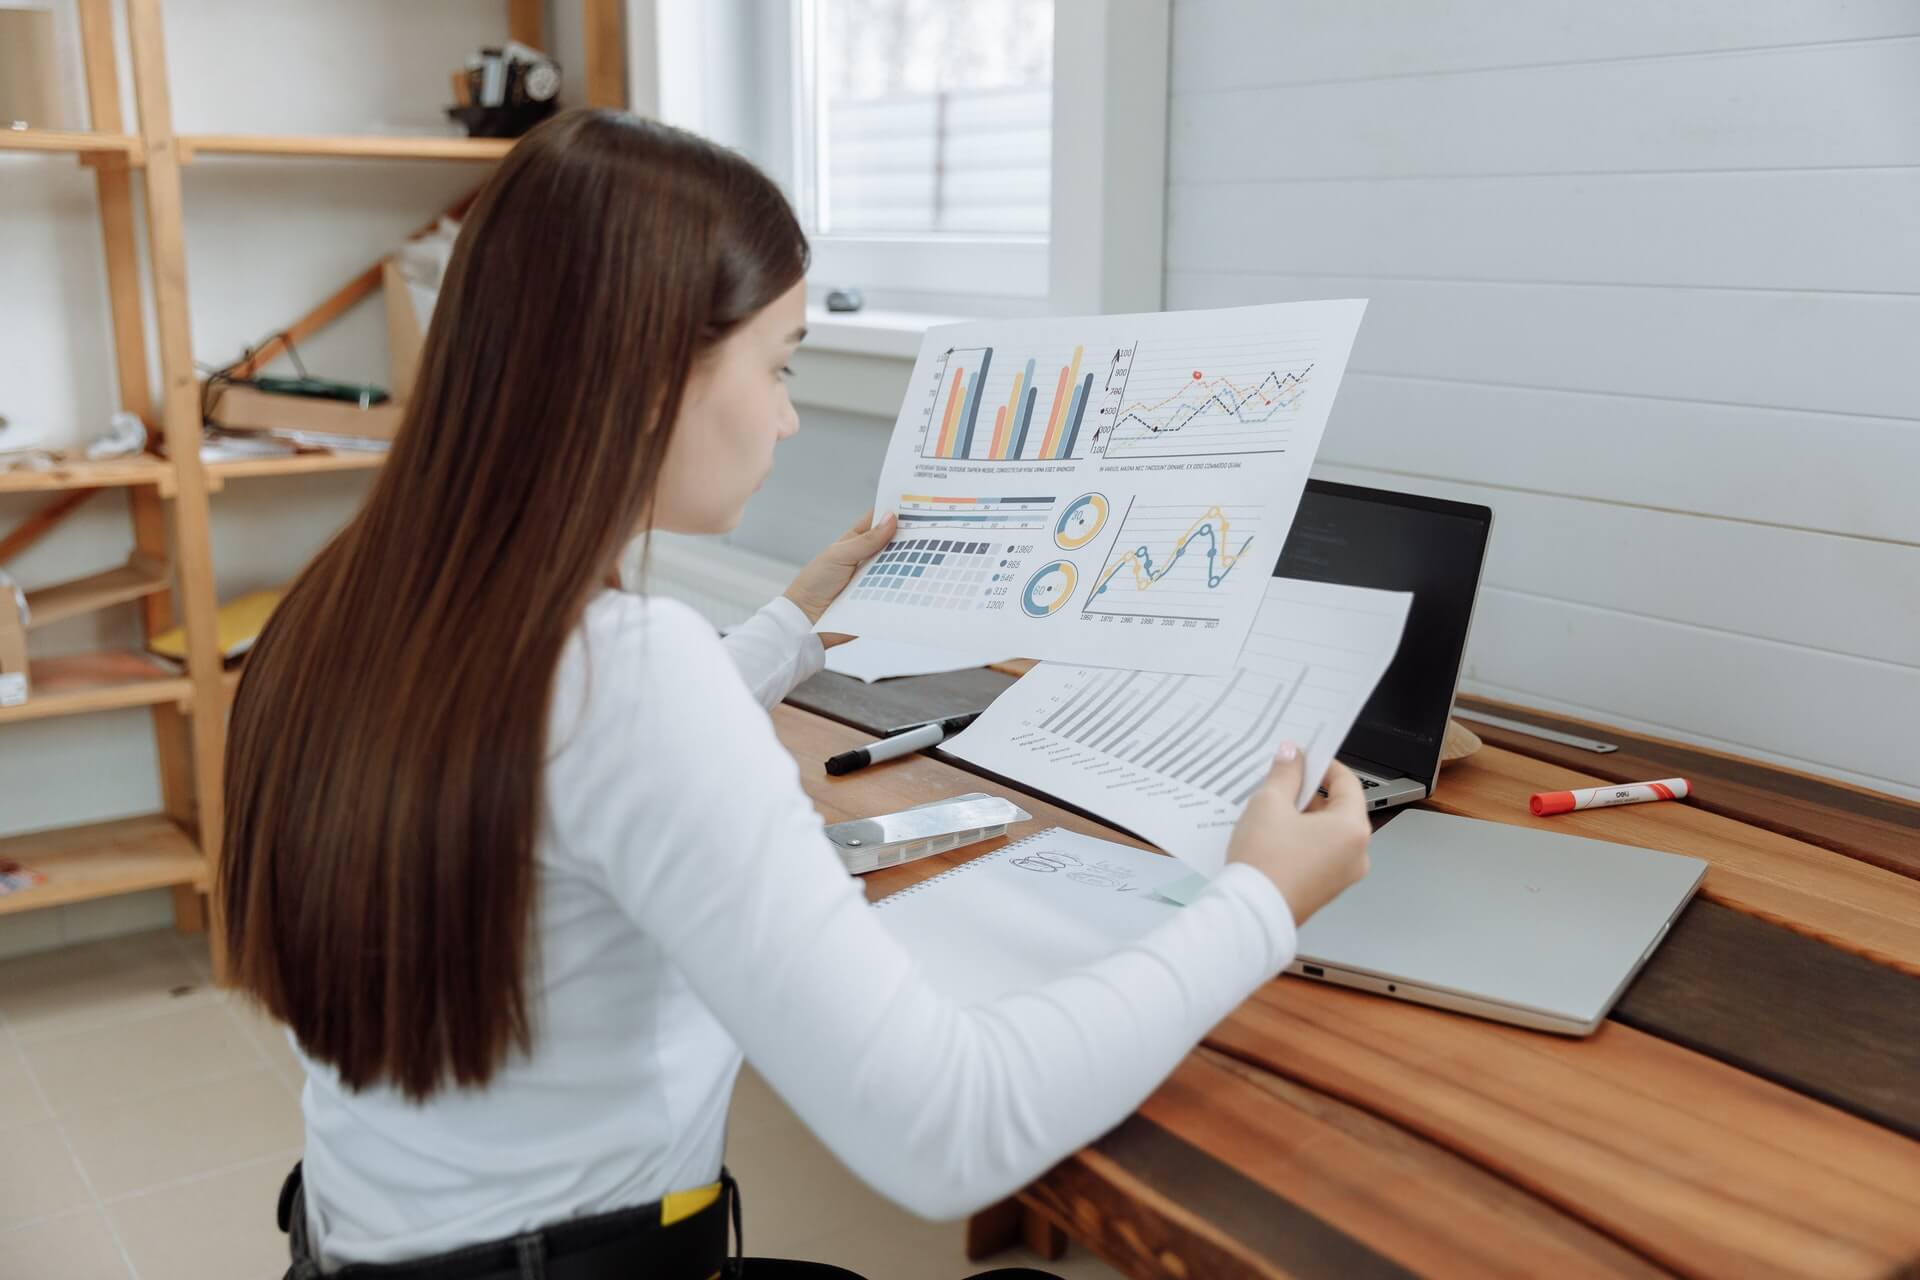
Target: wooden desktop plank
{"points": [[1862, 824], [1803, 1014], [1639, 1112], [1152, 1205], [1339, 1229], [1800, 1012], [1854, 906], [1840, 900], [1696, 1164], [1316, 1185]]}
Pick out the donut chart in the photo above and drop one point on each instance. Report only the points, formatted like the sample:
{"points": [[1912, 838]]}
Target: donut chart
{"points": [[1081, 521], [1048, 590]]}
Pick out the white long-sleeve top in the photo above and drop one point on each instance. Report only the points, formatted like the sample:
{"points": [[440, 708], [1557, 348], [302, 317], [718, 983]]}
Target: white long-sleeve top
{"points": [[689, 908]]}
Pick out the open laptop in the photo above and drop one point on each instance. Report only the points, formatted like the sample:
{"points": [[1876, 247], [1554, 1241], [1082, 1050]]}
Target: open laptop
{"points": [[1361, 537], [1506, 922]]}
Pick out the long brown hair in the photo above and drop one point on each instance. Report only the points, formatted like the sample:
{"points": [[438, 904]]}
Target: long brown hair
{"points": [[385, 753]]}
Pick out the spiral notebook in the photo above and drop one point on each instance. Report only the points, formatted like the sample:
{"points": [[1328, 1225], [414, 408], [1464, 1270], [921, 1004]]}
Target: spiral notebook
{"points": [[1028, 912]]}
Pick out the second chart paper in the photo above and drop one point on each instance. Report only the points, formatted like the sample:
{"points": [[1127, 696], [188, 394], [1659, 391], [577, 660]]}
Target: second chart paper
{"points": [[1111, 490], [1175, 757]]}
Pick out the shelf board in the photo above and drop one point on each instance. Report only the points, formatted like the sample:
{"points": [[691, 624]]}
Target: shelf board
{"points": [[72, 142], [341, 147], [79, 683], [81, 474], [101, 859], [140, 576], [292, 464]]}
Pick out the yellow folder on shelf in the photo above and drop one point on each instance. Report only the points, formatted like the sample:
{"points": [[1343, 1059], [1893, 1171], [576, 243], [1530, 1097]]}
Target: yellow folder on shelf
{"points": [[237, 626]]}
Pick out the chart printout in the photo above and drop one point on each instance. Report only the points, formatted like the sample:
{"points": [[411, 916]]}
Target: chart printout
{"points": [[1112, 490], [1173, 757]]}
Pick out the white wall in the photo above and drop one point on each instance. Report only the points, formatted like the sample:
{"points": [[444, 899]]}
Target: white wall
{"points": [[265, 241], [1643, 280]]}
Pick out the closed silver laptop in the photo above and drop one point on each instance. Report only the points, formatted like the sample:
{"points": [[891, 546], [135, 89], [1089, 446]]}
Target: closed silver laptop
{"points": [[1511, 923]]}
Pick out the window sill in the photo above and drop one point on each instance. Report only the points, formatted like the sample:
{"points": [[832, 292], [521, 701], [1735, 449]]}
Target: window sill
{"points": [[887, 334]]}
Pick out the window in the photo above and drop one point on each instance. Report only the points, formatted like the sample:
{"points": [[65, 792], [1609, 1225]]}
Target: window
{"points": [[932, 117], [931, 146]]}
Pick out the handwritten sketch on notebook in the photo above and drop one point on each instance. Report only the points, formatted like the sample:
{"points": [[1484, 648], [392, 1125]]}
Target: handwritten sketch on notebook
{"points": [[1028, 912], [1174, 758], [1109, 489]]}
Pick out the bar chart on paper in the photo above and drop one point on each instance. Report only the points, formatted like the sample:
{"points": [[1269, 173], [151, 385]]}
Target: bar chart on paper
{"points": [[1175, 757], [987, 407]]}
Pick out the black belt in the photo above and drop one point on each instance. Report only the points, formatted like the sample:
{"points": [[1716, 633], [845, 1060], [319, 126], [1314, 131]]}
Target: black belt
{"points": [[627, 1244]]}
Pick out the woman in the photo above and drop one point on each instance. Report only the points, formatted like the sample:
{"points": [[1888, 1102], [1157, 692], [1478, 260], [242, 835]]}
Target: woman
{"points": [[517, 856]]}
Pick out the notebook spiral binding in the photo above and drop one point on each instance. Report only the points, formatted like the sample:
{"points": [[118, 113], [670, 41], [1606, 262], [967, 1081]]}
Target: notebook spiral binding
{"points": [[964, 867]]}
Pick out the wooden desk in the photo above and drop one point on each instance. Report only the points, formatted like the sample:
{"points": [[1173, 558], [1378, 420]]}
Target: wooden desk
{"points": [[1751, 1109]]}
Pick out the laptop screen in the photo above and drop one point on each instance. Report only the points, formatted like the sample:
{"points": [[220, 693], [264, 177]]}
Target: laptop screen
{"points": [[1399, 542]]}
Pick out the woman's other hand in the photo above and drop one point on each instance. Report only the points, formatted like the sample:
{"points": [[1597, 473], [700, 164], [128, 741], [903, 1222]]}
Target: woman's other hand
{"points": [[1310, 856], [827, 574]]}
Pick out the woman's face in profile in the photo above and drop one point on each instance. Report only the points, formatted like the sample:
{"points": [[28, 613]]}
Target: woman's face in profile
{"points": [[735, 410]]}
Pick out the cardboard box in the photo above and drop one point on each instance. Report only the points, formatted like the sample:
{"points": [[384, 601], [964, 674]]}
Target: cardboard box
{"points": [[245, 408], [404, 332], [31, 88], [13, 646]]}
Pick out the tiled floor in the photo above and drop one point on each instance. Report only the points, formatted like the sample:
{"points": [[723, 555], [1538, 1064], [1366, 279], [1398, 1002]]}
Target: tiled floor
{"points": [[146, 1121]]}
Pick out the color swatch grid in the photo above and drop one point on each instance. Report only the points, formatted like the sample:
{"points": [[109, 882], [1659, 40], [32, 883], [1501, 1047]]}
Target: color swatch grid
{"points": [[939, 573]]}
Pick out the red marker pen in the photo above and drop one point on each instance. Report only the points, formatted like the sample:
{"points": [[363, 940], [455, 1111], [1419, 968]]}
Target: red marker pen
{"points": [[1547, 802]]}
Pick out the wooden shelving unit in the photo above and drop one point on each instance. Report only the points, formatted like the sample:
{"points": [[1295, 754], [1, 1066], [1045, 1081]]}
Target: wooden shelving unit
{"points": [[195, 145], [293, 464], [143, 470], [77, 683], [105, 858], [171, 575], [73, 142]]}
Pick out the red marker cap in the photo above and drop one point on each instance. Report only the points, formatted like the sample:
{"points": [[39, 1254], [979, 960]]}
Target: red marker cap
{"points": [[1546, 802]]}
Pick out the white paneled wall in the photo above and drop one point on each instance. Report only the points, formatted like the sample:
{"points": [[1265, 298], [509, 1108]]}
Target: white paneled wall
{"points": [[1643, 279]]}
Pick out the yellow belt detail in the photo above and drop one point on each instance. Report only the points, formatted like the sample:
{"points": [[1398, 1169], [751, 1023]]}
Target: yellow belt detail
{"points": [[676, 1205]]}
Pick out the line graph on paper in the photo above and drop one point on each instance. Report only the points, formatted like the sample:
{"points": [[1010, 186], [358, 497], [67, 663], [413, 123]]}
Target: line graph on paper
{"points": [[1171, 400], [1170, 560]]}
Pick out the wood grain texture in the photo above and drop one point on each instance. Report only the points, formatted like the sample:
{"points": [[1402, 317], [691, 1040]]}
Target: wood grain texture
{"points": [[1154, 1205], [341, 146], [71, 474], [1827, 1024], [606, 54], [151, 536], [1790, 1008], [1814, 891], [76, 141], [1696, 1164], [1412, 1201], [180, 405], [1862, 824], [526, 24]]}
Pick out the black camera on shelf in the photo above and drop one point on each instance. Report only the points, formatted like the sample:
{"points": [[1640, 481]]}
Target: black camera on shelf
{"points": [[503, 92]]}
